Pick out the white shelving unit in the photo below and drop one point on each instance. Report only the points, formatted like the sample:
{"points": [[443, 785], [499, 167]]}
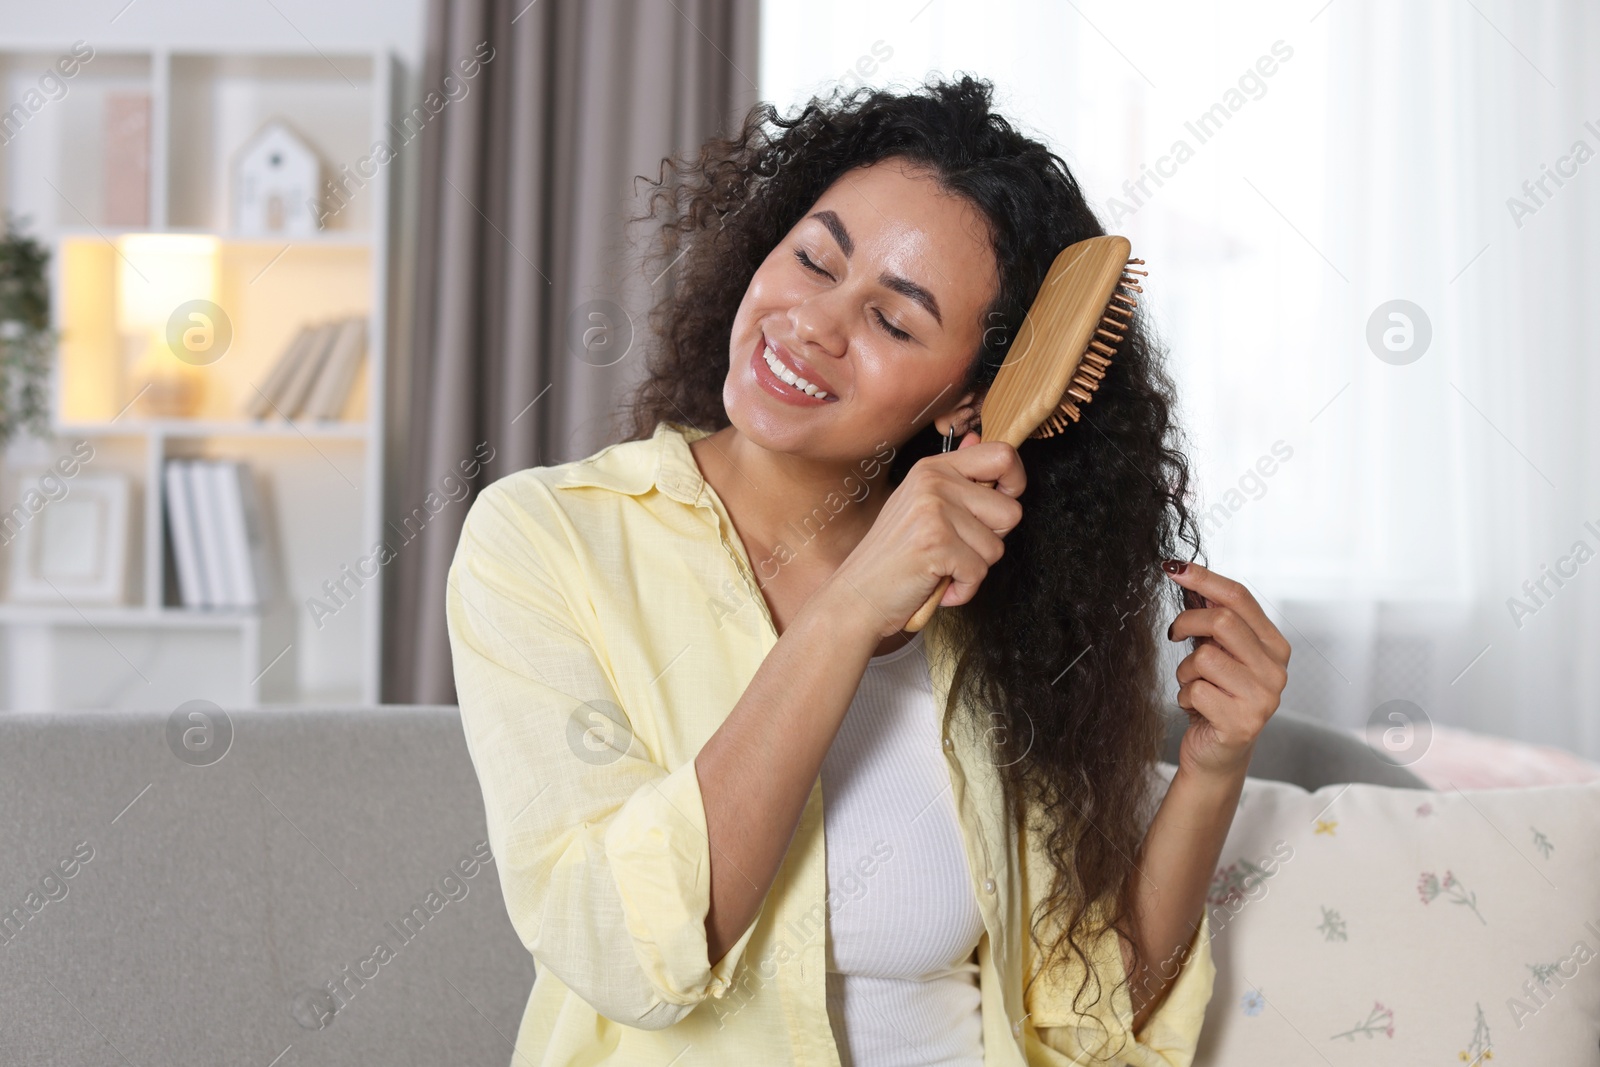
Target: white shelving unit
{"points": [[320, 482]]}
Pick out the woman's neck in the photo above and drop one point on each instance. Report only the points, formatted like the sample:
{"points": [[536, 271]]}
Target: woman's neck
{"points": [[777, 501]]}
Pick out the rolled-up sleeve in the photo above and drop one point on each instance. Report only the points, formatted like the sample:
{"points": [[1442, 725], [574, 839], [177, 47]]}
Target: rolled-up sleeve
{"points": [[602, 852], [1103, 1034]]}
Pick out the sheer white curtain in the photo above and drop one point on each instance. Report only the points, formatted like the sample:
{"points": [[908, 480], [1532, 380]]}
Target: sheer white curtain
{"points": [[1386, 476]]}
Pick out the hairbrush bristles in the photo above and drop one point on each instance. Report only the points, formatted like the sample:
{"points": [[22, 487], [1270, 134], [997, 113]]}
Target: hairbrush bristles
{"points": [[1114, 320]]}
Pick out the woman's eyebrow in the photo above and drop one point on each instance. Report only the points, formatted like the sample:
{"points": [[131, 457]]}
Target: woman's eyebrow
{"points": [[907, 287], [903, 286], [835, 226]]}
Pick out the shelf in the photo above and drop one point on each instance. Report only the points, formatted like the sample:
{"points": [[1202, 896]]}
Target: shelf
{"points": [[330, 238], [125, 615], [266, 289], [320, 481], [220, 101], [351, 431], [55, 153]]}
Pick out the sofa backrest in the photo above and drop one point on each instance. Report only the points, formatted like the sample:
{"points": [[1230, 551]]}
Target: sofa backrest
{"points": [[1295, 748], [196, 886], [159, 904]]}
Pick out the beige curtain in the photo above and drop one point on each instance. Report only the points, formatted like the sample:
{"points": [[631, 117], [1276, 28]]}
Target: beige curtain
{"points": [[527, 315]]}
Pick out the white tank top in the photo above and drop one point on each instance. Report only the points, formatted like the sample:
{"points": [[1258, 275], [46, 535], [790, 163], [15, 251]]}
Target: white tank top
{"points": [[903, 925]]}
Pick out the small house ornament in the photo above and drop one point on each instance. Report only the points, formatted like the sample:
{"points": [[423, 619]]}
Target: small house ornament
{"points": [[276, 176]]}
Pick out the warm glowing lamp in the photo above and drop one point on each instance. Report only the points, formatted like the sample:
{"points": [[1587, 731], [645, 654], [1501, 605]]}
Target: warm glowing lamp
{"points": [[159, 274]]}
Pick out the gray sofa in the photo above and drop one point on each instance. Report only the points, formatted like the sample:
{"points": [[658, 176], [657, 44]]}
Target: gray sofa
{"points": [[162, 905]]}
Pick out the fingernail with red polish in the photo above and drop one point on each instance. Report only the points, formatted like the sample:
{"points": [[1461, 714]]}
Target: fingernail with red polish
{"points": [[1174, 566]]}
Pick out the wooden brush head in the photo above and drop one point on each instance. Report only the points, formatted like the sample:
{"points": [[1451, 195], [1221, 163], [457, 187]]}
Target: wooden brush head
{"points": [[1081, 312], [1062, 350]]}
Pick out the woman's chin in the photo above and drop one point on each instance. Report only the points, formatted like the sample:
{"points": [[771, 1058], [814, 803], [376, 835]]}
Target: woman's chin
{"points": [[776, 431]]}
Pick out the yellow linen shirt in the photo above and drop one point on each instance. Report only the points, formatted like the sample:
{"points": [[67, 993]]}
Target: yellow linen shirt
{"points": [[604, 620]]}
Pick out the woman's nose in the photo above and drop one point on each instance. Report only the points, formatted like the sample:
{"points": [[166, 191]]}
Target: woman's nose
{"points": [[818, 323]]}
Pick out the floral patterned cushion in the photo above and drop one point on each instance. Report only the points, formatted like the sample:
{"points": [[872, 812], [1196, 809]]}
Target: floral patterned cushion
{"points": [[1369, 925]]}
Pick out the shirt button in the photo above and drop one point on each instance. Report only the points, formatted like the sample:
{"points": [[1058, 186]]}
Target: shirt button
{"points": [[988, 885], [949, 744]]}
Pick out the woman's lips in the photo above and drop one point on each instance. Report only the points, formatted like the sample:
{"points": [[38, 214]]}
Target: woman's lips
{"points": [[777, 386], [795, 367]]}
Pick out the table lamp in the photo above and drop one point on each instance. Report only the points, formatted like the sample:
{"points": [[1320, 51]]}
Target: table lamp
{"points": [[158, 275]]}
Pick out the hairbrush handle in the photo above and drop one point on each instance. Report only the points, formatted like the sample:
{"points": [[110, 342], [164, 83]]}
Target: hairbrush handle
{"points": [[1011, 437], [924, 613], [1083, 308]]}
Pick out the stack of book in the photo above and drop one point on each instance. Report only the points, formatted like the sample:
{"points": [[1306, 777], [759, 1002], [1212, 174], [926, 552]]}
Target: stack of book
{"points": [[218, 538], [314, 375]]}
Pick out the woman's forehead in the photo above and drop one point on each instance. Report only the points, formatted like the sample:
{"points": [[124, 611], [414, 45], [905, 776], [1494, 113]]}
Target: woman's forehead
{"points": [[904, 221]]}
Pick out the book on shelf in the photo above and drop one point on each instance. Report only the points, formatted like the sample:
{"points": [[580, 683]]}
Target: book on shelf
{"points": [[314, 375], [208, 536], [218, 533], [263, 399], [338, 371], [193, 582]]}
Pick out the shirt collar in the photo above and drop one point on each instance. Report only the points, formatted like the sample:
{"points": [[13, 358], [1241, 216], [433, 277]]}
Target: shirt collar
{"points": [[662, 462], [665, 462]]}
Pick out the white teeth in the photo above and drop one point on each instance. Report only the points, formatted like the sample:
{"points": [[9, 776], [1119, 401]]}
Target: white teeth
{"points": [[790, 376]]}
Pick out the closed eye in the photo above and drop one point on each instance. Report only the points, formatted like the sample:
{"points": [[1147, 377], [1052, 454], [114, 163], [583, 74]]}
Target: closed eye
{"points": [[897, 334], [806, 262]]}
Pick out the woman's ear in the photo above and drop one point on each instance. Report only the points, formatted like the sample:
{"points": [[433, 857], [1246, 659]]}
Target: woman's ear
{"points": [[964, 416]]}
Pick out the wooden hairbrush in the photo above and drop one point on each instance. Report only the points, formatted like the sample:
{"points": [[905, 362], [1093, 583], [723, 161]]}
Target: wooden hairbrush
{"points": [[1082, 310]]}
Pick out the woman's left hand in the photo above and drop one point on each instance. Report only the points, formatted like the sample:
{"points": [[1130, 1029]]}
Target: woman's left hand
{"points": [[1231, 683]]}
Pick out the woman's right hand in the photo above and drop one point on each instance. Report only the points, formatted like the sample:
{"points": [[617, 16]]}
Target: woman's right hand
{"points": [[942, 519]]}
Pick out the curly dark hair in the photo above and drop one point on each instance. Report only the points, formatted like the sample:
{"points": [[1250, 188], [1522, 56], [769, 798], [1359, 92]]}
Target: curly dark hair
{"points": [[1058, 645]]}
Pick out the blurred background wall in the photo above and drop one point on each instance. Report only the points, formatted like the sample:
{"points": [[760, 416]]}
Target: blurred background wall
{"points": [[1370, 230]]}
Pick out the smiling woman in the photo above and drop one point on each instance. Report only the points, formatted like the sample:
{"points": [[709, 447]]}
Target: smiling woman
{"points": [[842, 278]]}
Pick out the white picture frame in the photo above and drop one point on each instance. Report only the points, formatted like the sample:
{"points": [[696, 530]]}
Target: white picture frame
{"points": [[75, 545]]}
